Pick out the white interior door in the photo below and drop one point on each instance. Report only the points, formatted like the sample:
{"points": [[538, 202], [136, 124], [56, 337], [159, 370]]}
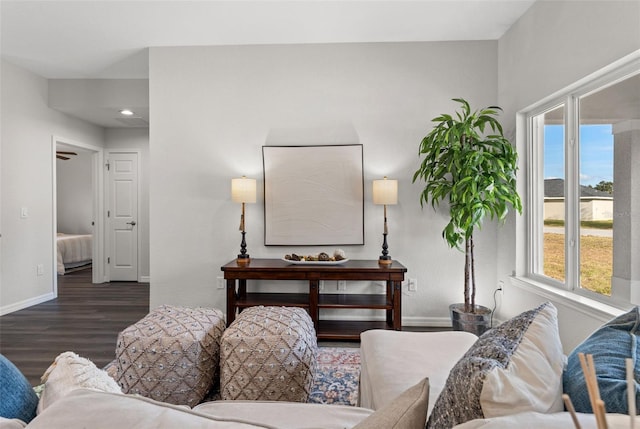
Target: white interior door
{"points": [[123, 216]]}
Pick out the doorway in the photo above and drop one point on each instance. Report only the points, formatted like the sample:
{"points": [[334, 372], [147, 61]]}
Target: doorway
{"points": [[78, 211]]}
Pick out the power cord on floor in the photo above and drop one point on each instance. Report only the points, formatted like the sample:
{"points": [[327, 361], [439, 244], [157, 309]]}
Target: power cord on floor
{"points": [[495, 305]]}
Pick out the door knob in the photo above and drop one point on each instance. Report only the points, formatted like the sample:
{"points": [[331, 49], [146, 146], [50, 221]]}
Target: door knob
{"points": [[132, 223]]}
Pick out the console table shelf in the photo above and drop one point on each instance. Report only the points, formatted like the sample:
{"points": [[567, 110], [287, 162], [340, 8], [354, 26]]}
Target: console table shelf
{"points": [[380, 302], [342, 330], [276, 299], [238, 297]]}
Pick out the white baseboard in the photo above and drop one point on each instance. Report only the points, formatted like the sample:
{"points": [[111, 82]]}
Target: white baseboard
{"points": [[436, 322], [26, 303], [144, 279]]}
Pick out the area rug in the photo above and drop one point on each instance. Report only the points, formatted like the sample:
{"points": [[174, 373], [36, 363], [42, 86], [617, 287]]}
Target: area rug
{"points": [[336, 381]]}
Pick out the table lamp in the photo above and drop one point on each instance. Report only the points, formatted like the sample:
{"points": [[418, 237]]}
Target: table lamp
{"points": [[385, 192], [243, 191]]}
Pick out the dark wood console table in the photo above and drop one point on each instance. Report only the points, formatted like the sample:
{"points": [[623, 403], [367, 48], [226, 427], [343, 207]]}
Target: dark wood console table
{"points": [[356, 270]]}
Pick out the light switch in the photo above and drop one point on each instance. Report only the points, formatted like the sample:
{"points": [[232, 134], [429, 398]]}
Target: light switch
{"points": [[24, 213]]}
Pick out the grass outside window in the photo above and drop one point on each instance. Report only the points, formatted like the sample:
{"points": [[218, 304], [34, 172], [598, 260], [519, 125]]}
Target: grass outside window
{"points": [[596, 264]]}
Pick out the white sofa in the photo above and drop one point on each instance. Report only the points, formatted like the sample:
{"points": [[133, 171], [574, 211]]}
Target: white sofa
{"points": [[401, 371], [392, 361], [518, 368]]}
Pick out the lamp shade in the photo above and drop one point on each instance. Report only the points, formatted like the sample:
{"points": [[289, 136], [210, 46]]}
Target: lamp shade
{"points": [[243, 190], [385, 191]]}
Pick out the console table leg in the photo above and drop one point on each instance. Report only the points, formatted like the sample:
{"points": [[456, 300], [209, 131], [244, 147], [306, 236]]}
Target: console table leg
{"points": [[242, 289], [397, 306], [231, 301], [313, 302], [390, 299]]}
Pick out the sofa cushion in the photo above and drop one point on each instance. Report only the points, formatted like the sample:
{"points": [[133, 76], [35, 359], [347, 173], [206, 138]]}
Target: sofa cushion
{"points": [[70, 372], [610, 346], [513, 368], [393, 361], [407, 411]]}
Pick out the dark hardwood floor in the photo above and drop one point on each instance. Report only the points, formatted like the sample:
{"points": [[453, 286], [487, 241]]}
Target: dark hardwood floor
{"points": [[85, 319]]}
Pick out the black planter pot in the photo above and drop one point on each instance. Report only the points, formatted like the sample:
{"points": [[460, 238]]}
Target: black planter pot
{"points": [[477, 323]]}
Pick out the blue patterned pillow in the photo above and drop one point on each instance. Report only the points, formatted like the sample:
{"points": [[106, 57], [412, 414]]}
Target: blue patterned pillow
{"points": [[515, 367], [18, 400], [610, 345]]}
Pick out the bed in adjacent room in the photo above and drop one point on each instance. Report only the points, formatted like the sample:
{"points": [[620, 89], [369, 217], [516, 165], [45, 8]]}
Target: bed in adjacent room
{"points": [[74, 250]]}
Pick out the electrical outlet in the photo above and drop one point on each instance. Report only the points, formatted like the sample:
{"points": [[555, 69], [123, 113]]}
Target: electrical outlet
{"points": [[413, 285], [221, 282], [342, 285], [500, 289]]}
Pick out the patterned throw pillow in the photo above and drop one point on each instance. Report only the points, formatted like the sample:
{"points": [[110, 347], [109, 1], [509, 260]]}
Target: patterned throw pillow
{"points": [[513, 368], [610, 345]]}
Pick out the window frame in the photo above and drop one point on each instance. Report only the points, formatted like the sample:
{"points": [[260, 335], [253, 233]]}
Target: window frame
{"points": [[531, 122]]}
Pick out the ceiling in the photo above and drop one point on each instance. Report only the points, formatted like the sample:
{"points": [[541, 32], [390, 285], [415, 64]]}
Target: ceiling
{"points": [[109, 39]]}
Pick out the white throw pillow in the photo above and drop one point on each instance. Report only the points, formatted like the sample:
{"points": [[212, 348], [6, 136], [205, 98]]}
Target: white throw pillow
{"points": [[532, 381], [515, 367], [70, 372]]}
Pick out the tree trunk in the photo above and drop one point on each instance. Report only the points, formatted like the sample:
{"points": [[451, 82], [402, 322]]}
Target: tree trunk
{"points": [[467, 266], [473, 276]]}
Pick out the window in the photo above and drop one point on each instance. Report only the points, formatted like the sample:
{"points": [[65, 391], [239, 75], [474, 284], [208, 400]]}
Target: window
{"points": [[584, 202]]}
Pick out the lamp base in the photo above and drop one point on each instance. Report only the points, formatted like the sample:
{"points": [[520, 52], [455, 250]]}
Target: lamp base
{"points": [[385, 260], [243, 260]]}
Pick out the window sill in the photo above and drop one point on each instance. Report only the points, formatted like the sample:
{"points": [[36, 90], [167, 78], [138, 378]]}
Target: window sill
{"points": [[588, 306]]}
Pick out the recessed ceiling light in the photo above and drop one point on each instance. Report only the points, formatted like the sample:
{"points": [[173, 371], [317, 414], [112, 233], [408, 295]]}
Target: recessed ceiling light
{"points": [[126, 112]]}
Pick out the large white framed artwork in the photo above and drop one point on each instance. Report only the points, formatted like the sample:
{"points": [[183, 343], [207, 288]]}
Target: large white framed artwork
{"points": [[313, 195]]}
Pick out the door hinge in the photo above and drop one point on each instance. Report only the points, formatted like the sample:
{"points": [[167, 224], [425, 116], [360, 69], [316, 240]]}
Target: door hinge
{"points": [[108, 213], [108, 259], [108, 166]]}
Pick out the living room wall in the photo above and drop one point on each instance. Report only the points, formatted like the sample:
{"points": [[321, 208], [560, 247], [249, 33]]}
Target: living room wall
{"points": [[554, 45], [27, 126], [213, 108]]}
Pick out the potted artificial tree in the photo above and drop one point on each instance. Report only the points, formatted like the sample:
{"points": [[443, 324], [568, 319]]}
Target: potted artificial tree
{"points": [[475, 173]]}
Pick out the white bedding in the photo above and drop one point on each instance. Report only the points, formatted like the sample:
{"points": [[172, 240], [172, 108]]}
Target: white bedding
{"points": [[73, 250]]}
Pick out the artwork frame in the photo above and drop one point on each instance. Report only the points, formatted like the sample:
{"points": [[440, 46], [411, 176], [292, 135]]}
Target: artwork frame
{"points": [[313, 195]]}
